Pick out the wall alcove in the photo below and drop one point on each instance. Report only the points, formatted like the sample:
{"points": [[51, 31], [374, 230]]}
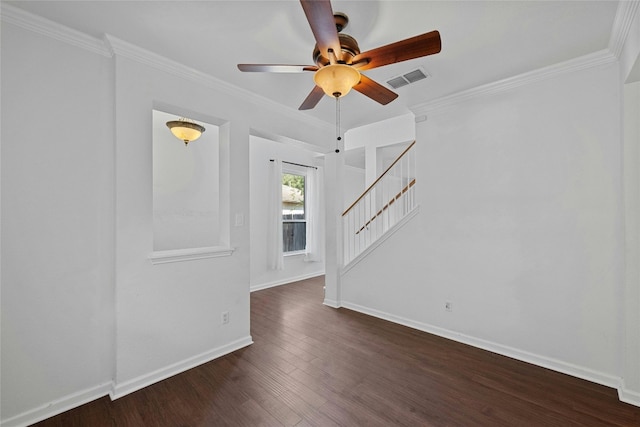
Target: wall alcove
{"points": [[186, 191]]}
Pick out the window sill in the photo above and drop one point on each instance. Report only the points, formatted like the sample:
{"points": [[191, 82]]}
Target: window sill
{"points": [[294, 253], [179, 255]]}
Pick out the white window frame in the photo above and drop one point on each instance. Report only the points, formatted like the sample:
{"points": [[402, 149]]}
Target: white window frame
{"points": [[300, 171]]}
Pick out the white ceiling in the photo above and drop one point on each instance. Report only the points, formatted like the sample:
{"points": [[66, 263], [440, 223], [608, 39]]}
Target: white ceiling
{"points": [[482, 41]]}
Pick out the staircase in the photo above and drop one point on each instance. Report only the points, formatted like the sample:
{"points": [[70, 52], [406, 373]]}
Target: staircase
{"points": [[384, 204]]}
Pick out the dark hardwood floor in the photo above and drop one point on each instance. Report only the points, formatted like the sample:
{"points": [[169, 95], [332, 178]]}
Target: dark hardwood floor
{"points": [[312, 365]]}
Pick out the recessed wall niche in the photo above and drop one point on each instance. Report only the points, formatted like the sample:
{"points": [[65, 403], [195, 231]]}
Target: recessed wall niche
{"points": [[186, 187]]}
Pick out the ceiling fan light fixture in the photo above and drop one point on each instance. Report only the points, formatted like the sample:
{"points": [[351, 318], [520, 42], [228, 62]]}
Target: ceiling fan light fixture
{"points": [[336, 80], [185, 130]]}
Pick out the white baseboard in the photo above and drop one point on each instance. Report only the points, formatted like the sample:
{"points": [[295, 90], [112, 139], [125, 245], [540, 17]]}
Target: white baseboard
{"points": [[57, 406], [628, 396], [116, 391], [122, 389], [543, 361], [331, 303], [284, 281]]}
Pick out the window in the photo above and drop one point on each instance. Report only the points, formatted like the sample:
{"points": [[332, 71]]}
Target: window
{"points": [[294, 222]]}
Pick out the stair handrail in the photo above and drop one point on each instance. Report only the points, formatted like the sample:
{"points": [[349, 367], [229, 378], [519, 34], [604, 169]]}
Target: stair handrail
{"points": [[386, 206], [379, 178]]}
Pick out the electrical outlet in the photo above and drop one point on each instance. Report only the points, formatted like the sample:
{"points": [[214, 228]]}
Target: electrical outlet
{"points": [[239, 220], [225, 317], [448, 306]]}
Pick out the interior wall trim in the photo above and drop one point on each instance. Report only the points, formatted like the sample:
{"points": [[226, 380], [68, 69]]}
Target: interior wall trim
{"points": [[331, 303], [625, 15], [121, 389], [628, 396], [57, 406], [622, 24], [116, 391], [596, 59], [29, 21], [179, 255], [128, 50], [285, 281], [514, 353], [110, 46]]}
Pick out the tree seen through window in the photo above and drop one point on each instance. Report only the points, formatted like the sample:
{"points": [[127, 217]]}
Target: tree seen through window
{"points": [[293, 213]]}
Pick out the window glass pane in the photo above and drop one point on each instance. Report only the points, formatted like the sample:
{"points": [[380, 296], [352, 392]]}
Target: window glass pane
{"points": [[293, 212], [294, 236]]}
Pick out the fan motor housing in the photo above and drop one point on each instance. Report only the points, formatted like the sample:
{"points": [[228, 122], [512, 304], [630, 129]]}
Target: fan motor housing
{"points": [[348, 46]]}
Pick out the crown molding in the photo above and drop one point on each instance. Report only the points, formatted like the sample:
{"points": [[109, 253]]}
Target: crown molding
{"points": [[622, 24], [110, 46], [595, 59], [29, 21], [624, 18], [128, 50]]}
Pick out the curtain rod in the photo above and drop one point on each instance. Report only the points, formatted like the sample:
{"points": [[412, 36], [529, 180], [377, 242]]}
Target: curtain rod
{"points": [[297, 164]]}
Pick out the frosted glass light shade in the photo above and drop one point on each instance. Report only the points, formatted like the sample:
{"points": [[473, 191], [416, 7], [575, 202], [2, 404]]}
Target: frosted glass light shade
{"points": [[185, 130], [337, 79]]}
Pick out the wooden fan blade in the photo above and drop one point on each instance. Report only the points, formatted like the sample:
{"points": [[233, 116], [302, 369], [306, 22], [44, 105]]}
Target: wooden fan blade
{"points": [[414, 47], [375, 90], [323, 26], [312, 99], [276, 68]]}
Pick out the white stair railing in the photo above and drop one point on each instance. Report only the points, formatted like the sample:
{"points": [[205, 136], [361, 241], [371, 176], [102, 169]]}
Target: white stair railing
{"points": [[389, 199]]}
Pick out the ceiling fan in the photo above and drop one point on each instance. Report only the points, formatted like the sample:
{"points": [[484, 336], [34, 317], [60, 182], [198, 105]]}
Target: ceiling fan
{"points": [[339, 60]]}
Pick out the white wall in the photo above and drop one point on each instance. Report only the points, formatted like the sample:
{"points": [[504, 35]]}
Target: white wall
{"points": [[57, 222], [354, 185], [84, 311], [396, 130], [629, 61], [521, 211], [520, 227], [169, 315], [386, 132], [295, 268], [631, 343]]}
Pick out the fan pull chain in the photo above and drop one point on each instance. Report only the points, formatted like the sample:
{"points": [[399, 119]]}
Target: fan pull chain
{"points": [[338, 137]]}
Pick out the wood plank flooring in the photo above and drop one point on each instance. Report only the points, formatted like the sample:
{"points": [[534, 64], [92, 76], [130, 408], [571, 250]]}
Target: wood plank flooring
{"points": [[311, 365]]}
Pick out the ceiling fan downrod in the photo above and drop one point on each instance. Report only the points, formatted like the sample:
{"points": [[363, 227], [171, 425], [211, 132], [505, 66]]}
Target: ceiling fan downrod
{"points": [[338, 137]]}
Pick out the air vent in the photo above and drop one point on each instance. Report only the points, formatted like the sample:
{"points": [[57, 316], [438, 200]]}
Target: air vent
{"points": [[407, 78], [397, 82]]}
